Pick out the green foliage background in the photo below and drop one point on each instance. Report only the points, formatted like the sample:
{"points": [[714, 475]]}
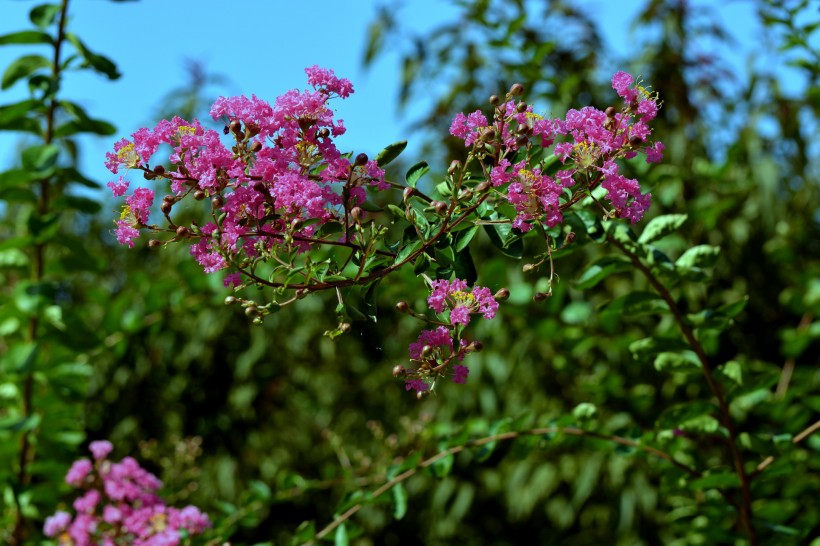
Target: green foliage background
{"points": [[291, 423]]}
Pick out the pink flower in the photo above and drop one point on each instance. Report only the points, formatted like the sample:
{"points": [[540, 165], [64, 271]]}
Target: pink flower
{"points": [[462, 304], [56, 524], [417, 385], [325, 78], [100, 449], [78, 472], [468, 128], [119, 187], [460, 373]]}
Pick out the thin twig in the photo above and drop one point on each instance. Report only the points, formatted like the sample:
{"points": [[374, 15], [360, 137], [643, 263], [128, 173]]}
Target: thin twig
{"points": [[805, 433]]}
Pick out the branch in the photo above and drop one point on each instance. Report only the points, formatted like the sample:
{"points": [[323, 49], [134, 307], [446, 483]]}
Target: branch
{"points": [[805, 433]]}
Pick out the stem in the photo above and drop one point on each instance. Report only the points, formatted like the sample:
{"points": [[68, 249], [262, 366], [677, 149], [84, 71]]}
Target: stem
{"points": [[745, 508], [573, 431], [37, 270], [805, 433]]}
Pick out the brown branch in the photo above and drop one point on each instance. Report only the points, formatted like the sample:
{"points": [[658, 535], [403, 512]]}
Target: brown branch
{"points": [[805, 433], [745, 508], [573, 431], [788, 366]]}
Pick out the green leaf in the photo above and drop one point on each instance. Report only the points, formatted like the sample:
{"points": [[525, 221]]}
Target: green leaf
{"points": [[601, 269], [503, 239], [44, 14], [699, 256], [584, 411], [422, 264], [442, 467], [26, 37], [591, 223], [341, 536], [391, 152], [40, 160], [637, 303], [415, 173], [20, 358], [464, 237], [677, 361], [651, 346], [718, 480], [660, 227], [82, 122], [464, 267], [399, 501], [407, 250], [15, 117], [677, 416], [99, 63], [23, 67]]}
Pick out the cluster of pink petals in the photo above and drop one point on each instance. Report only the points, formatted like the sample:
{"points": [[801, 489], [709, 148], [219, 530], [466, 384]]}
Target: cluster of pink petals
{"points": [[455, 297], [120, 505], [284, 176], [439, 343]]}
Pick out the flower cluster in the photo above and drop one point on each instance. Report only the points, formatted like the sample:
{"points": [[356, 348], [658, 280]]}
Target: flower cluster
{"points": [[597, 139], [120, 505], [435, 351], [273, 186]]}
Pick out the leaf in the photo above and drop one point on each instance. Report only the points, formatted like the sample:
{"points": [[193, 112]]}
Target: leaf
{"points": [[99, 63], [40, 160], [651, 346], [399, 501], [44, 15], [464, 267], [391, 152], [415, 173], [676, 416], [601, 269], [21, 68], [442, 467], [26, 37], [422, 264], [14, 117], [407, 250], [637, 303], [699, 256], [341, 536], [82, 122], [464, 237], [503, 239], [677, 361], [584, 411], [719, 480], [660, 227], [592, 225]]}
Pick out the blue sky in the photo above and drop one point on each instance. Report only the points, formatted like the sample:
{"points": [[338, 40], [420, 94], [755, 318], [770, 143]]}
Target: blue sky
{"points": [[263, 49]]}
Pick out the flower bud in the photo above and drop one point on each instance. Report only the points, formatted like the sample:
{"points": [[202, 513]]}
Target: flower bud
{"points": [[166, 207], [440, 207], [361, 159], [420, 395], [159, 170], [217, 202], [466, 195], [154, 243], [250, 310], [484, 186], [636, 141], [454, 166], [494, 100], [257, 321], [182, 232], [357, 213], [402, 307], [230, 300], [149, 175], [408, 191], [236, 127], [516, 90], [295, 224], [522, 141], [199, 195], [502, 294], [475, 346], [323, 133], [488, 134], [521, 107], [610, 111], [527, 268], [399, 371], [256, 146], [425, 351], [344, 327], [259, 187], [539, 297], [570, 238]]}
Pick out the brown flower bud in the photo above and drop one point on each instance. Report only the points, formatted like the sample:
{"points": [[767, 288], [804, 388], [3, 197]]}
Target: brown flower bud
{"points": [[217, 202], [154, 243], [199, 195], [494, 100], [476, 346], [149, 175], [295, 224], [361, 159], [502, 294], [570, 238], [425, 351], [323, 133], [357, 213], [466, 195], [402, 307], [454, 166], [484, 186], [182, 232], [230, 300], [250, 310], [521, 107], [522, 141], [166, 206], [420, 395], [256, 146], [159, 170], [440, 207], [488, 134], [516, 90], [635, 141], [236, 127], [260, 188], [527, 268], [399, 371], [539, 297], [610, 111]]}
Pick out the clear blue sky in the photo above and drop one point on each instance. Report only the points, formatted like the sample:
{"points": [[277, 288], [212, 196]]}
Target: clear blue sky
{"points": [[261, 47]]}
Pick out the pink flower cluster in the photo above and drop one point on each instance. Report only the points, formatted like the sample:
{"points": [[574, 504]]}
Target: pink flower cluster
{"points": [[434, 351], [597, 139], [273, 184], [120, 506]]}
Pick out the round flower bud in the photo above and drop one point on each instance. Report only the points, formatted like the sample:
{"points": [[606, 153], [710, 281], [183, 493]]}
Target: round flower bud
{"points": [[610, 111], [476, 346], [502, 294], [440, 207], [356, 213], [257, 321], [522, 141], [494, 100], [425, 351], [484, 186], [570, 238], [226, 130], [636, 141], [488, 134], [154, 243], [199, 195], [517, 89], [230, 300], [344, 327], [323, 133], [295, 224], [454, 166], [402, 307], [236, 127], [466, 195], [399, 371], [149, 175], [539, 297], [250, 310], [527, 268], [521, 107], [419, 395], [259, 187], [182, 232], [166, 207], [361, 159], [159, 170], [256, 146], [217, 202]]}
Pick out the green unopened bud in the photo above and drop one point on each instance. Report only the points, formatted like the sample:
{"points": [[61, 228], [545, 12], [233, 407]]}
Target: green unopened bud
{"points": [[527, 268], [257, 321], [466, 195], [230, 300]]}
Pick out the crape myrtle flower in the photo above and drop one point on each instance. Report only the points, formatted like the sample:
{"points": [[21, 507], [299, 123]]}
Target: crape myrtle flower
{"points": [[453, 296], [120, 505]]}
